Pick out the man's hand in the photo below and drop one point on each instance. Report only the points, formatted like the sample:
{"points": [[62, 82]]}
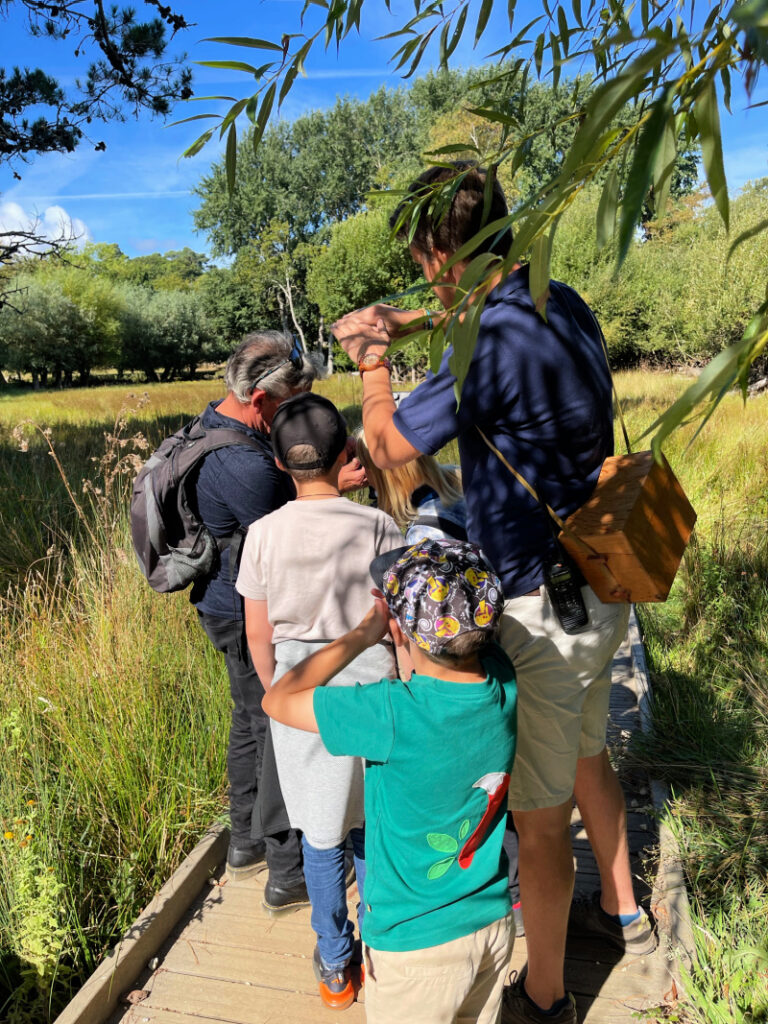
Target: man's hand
{"points": [[368, 329], [358, 337], [352, 475]]}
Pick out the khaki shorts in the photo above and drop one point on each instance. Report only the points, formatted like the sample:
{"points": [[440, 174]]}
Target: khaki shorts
{"points": [[563, 688], [456, 982]]}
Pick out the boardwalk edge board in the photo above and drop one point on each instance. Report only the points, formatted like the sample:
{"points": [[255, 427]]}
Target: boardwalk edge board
{"points": [[100, 994], [669, 900]]}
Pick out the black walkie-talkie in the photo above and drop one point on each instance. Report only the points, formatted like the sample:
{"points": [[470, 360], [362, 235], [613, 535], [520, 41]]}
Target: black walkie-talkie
{"points": [[564, 592]]}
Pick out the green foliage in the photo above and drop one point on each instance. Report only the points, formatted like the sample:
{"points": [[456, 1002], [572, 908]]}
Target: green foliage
{"points": [[707, 649], [675, 71], [131, 70], [173, 271], [75, 319], [113, 739], [679, 298], [359, 266], [307, 174]]}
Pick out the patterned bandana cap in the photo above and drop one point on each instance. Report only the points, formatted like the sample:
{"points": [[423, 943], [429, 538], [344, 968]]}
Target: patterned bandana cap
{"points": [[438, 589]]}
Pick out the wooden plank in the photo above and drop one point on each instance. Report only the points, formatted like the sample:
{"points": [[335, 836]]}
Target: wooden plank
{"points": [[231, 963], [209, 999], [101, 992]]}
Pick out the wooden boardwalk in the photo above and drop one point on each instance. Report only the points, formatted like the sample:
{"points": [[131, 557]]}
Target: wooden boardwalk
{"points": [[227, 961]]}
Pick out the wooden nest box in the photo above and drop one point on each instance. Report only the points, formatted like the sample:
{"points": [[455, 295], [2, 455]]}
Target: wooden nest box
{"points": [[633, 530]]}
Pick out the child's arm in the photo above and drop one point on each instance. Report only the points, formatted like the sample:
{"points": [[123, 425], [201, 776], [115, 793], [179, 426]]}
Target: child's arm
{"points": [[290, 700], [258, 630]]}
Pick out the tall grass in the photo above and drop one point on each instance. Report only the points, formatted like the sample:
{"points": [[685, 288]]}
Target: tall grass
{"points": [[114, 709], [708, 652]]}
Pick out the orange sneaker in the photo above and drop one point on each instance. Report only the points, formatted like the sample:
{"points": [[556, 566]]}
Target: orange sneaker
{"points": [[335, 984]]}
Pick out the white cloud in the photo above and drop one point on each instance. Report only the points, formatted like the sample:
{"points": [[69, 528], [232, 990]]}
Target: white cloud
{"points": [[53, 224]]}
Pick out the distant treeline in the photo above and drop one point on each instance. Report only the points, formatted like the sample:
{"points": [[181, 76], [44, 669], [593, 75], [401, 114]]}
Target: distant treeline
{"points": [[305, 238]]}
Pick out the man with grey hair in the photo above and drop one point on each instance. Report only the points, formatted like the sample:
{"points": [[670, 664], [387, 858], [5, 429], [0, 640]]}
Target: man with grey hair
{"points": [[235, 486]]}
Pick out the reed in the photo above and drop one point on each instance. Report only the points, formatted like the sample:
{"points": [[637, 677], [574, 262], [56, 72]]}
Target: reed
{"points": [[114, 709]]}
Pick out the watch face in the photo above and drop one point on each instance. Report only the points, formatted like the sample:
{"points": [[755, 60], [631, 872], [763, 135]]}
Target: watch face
{"points": [[372, 359]]}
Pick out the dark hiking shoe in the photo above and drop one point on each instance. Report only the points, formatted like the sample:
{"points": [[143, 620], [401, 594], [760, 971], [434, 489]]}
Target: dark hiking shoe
{"points": [[244, 859], [587, 917], [280, 898], [334, 983], [517, 1008]]}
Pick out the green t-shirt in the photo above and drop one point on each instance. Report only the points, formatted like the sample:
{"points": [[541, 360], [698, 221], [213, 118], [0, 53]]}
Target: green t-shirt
{"points": [[438, 757]]}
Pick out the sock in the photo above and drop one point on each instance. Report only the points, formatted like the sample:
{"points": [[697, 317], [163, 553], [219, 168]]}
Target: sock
{"points": [[624, 919], [554, 1009]]}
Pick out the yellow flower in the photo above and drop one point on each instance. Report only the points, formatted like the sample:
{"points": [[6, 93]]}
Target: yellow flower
{"points": [[31, 803], [7, 835]]}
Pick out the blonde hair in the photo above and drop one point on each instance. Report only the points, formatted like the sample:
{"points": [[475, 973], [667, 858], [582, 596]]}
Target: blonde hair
{"points": [[394, 487]]}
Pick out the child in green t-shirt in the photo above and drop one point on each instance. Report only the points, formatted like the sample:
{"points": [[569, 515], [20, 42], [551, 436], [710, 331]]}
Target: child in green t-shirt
{"points": [[439, 750]]}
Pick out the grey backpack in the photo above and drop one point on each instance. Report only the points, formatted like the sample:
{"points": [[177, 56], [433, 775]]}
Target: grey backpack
{"points": [[173, 546]]}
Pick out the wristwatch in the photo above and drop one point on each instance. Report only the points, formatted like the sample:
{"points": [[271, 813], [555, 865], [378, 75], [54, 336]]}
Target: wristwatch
{"points": [[372, 361]]}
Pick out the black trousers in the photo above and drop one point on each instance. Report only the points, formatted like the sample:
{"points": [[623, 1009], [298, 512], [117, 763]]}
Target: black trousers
{"points": [[256, 807]]}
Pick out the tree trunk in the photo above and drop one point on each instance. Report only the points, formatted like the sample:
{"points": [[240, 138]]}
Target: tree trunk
{"points": [[287, 291], [283, 314], [321, 344]]}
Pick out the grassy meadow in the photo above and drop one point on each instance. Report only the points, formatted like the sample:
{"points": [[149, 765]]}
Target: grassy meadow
{"points": [[114, 709]]}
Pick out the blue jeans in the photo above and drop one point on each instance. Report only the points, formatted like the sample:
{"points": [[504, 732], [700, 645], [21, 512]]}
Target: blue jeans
{"points": [[324, 874]]}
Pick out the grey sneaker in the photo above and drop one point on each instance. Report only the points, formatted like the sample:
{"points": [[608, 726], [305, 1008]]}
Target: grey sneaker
{"points": [[517, 1008], [587, 917]]}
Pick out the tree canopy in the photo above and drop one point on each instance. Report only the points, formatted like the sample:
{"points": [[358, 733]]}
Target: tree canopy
{"points": [[129, 71], [675, 64]]}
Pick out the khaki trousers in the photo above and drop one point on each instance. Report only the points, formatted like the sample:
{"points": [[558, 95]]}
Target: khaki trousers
{"points": [[457, 982]]}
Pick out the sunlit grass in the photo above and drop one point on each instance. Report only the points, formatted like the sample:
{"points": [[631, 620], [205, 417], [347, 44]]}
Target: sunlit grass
{"points": [[114, 708]]}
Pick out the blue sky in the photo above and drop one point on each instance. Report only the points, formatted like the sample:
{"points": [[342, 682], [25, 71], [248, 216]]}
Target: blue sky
{"points": [[137, 193]]}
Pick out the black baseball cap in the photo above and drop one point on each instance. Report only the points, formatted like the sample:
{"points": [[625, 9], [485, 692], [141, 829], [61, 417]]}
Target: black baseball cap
{"points": [[308, 419]]}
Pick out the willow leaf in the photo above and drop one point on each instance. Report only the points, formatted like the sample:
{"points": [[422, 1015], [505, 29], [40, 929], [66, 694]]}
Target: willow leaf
{"points": [[562, 24], [539, 273], [482, 19], [436, 347], [194, 117], [198, 144], [233, 112], [606, 210], [664, 167], [457, 32], [257, 44], [639, 178], [264, 111], [708, 123], [290, 78], [463, 338], [714, 381], [228, 65]]}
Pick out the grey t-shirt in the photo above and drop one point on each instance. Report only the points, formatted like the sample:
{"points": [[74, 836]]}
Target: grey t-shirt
{"points": [[310, 561]]}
